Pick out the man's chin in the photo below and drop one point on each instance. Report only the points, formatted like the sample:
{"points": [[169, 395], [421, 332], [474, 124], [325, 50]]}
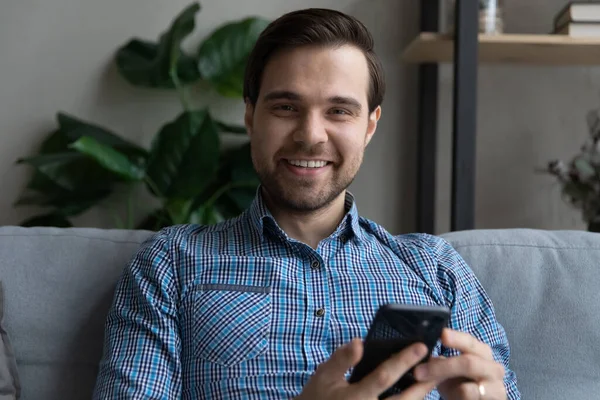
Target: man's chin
{"points": [[303, 200]]}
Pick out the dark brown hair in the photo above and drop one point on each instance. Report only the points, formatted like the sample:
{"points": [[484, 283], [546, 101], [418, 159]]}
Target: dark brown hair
{"points": [[319, 27]]}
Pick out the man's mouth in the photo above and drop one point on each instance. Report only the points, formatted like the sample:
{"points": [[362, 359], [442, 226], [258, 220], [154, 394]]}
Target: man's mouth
{"points": [[307, 163]]}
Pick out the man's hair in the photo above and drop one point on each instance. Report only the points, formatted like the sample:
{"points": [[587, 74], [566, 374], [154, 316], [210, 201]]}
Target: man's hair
{"points": [[314, 27]]}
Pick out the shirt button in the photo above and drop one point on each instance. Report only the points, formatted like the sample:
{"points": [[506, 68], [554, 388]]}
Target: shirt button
{"points": [[320, 312], [315, 265]]}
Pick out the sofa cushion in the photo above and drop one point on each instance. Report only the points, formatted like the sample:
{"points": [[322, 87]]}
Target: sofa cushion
{"points": [[58, 286], [545, 288], [10, 387]]}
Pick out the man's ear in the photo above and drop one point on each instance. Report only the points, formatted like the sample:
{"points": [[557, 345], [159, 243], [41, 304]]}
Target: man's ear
{"points": [[372, 125], [249, 117]]}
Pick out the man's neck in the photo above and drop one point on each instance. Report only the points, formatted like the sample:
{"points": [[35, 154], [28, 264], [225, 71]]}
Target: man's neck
{"points": [[309, 227]]}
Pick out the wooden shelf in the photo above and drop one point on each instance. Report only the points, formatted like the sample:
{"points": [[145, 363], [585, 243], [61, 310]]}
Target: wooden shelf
{"points": [[509, 48]]}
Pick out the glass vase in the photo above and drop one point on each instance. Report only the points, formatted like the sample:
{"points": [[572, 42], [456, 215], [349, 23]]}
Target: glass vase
{"points": [[491, 16]]}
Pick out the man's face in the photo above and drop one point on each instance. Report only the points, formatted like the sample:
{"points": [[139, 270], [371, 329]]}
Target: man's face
{"points": [[311, 124]]}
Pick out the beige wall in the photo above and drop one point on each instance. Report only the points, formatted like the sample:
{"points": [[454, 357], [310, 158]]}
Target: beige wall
{"points": [[56, 55]]}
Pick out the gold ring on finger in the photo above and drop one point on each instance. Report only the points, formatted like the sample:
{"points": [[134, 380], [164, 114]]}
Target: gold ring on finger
{"points": [[481, 391]]}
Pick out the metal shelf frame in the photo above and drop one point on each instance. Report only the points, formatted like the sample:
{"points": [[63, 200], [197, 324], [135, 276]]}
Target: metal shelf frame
{"points": [[464, 119]]}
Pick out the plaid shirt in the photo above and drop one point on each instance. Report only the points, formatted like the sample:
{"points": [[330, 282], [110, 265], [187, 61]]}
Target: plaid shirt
{"points": [[240, 310]]}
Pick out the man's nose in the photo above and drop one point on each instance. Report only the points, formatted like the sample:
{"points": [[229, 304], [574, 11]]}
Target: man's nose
{"points": [[311, 130]]}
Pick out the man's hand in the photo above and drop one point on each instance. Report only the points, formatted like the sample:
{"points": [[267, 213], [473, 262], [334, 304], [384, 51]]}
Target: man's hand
{"points": [[461, 376], [329, 381]]}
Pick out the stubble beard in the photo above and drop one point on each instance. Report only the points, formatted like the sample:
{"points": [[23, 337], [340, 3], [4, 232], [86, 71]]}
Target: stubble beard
{"points": [[303, 195]]}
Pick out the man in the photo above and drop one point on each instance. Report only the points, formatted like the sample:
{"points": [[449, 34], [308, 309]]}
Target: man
{"points": [[273, 304]]}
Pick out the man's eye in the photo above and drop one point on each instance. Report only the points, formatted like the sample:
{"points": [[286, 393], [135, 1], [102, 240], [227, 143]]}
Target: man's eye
{"points": [[339, 111], [284, 107]]}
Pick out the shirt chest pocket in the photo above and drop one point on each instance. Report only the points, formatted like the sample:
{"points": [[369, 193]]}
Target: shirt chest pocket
{"points": [[231, 323]]}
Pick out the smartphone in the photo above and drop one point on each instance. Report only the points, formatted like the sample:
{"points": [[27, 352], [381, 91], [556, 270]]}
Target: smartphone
{"points": [[395, 327]]}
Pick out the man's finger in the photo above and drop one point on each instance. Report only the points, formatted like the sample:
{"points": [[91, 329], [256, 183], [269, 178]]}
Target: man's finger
{"points": [[466, 343], [464, 389], [464, 366], [342, 360], [415, 391], [389, 371]]}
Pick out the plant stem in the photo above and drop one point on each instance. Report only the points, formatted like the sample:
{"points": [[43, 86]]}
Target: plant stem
{"points": [[181, 90]]}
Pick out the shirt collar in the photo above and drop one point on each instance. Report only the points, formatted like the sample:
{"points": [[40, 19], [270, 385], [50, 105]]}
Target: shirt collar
{"points": [[263, 221]]}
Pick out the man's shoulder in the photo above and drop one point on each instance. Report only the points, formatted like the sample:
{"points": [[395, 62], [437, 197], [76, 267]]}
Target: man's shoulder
{"points": [[204, 238], [416, 247], [420, 241]]}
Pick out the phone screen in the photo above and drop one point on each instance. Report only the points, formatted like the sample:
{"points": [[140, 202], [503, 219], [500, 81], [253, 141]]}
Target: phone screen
{"points": [[395, 327]]}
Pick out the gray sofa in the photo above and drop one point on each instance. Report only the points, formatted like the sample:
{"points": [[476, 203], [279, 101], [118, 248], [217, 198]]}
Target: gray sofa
{"points": [[59, 283]]}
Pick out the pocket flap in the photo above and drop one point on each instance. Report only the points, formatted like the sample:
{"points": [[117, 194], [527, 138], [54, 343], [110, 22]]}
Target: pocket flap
{"points": [[231, 323]]}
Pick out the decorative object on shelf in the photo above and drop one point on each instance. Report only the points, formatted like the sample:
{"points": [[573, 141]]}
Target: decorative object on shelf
{"points": [[491, 16], [580, 177], [187, 169], [578, 19]]}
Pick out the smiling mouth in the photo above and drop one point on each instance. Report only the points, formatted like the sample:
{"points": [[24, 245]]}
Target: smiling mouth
{"points": [[307, 163]]}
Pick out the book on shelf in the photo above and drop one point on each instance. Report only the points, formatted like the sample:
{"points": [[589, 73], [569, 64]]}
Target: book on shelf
{"points": [[578, 11], [580, 29], [578, 19]]}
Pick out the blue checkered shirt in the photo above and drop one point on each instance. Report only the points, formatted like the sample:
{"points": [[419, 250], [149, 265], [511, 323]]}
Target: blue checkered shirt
{"points": [[240, 310]]}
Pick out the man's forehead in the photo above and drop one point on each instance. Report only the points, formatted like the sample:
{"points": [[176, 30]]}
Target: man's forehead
{"points": [[318, 73]]}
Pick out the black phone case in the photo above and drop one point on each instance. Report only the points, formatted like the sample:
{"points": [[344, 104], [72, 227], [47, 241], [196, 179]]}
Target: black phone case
{"points": [[395, 327]]}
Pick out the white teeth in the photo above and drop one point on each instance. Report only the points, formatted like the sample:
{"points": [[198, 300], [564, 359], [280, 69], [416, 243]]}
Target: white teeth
{"points": [[308, 164]]}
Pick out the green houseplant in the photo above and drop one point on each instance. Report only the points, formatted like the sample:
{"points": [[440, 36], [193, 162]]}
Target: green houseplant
{"points": [[579, 178], [187, 169]]}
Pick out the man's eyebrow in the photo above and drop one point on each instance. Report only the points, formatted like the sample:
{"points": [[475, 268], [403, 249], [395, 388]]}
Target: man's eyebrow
{"points": [[293, 96], [282, 95], [349, 101]]}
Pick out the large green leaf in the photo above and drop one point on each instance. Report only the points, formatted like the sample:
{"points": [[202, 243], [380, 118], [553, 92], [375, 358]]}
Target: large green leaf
{"points": [[109, 158], [72, 129], [43, 191], [70, 182], [163, 65], [222, 57], [71, 171], [184, 156], [56, 167], [66, 180]]}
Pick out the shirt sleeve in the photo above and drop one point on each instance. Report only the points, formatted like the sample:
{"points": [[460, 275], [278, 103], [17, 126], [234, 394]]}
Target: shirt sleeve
{"points": [[471, 309], [142, 346]]}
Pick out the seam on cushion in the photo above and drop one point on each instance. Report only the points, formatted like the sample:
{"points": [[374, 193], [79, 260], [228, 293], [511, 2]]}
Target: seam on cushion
{"points": [[71, 235], [525, 245]]}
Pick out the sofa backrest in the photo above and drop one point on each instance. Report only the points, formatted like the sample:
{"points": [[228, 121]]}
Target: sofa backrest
{"points": [[58, 286], [545, 287]]}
